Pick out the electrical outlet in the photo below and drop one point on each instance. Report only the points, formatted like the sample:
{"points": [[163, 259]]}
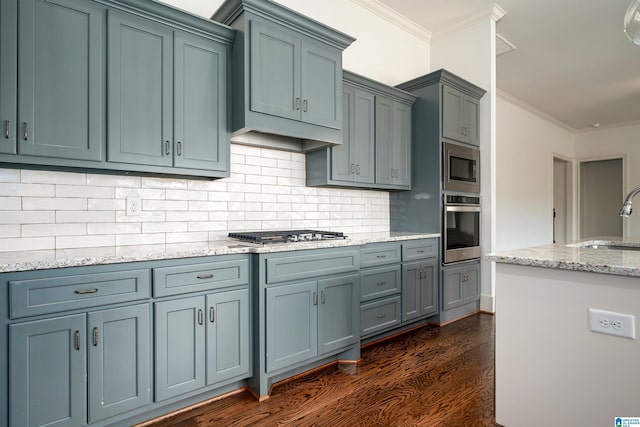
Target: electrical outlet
{"points": [[134, 206], [608, 322]]}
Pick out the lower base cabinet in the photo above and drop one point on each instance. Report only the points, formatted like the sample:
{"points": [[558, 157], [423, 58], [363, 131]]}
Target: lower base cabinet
{"points": [[419, 289], [461, 285], [308, 319], [68, 370], [201, 341]]}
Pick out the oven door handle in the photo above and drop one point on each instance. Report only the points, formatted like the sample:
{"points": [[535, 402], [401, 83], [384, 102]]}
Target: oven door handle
{"points": [[462, 208]]}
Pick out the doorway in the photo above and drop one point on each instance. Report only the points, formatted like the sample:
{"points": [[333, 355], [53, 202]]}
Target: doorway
{"points": [[562, 200], [601, 194]]}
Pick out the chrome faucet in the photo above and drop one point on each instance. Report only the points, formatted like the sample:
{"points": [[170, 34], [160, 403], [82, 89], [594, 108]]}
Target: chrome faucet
{"points": [[626, 210]]}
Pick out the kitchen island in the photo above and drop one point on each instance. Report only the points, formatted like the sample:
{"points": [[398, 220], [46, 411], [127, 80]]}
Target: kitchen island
{"points": [[551, 369]]}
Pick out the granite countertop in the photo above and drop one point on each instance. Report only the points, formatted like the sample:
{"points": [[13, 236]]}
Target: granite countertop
{"points": [[580, 256], [220, 247]]}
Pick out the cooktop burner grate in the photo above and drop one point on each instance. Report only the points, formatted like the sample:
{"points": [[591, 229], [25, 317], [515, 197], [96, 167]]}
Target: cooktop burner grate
{"points": [[285, 236]]}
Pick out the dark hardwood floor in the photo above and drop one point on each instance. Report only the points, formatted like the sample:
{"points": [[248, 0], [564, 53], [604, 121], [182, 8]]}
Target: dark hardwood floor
{"points": [[428, 377]]}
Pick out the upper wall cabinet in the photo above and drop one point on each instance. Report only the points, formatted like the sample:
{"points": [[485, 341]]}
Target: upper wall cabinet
{"points": [[376, 134], [288, 75], [131, 85], [460, 116]]}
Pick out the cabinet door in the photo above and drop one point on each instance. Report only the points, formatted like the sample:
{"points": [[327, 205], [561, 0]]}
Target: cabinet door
{"points": [[401, 146], [47, 372], [384, 140], [429, 288], [321, 81], [200, 113], [452, 288], [410, 291], [342, 165], [227, 335], [339, 312], [140, 91], [119, 342], [363, 144], [452, 113], [292, 324], [471, 284], [275, 71], [179, 346], [8, 75], [471, 120], [61, 79]]}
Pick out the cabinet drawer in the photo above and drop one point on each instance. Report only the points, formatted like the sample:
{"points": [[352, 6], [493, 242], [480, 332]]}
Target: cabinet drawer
{"points": [[53, 294], [311, 264], [419, 249], [199, 277], [380, 315], [379, 282], [379, 254]]}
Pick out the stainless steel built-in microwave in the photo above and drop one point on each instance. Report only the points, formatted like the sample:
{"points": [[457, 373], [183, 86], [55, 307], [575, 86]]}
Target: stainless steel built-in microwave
{"points": [[461, 168]]}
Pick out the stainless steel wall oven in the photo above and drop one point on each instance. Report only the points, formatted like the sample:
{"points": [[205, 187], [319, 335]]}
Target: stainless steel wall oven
{"points": [[461, 228]]}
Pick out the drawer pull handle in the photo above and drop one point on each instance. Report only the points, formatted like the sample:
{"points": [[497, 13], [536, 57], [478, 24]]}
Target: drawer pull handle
{"points": [[200, 317], [381, 283], [205, 276], [212, 314], [86, 291], [420, 251], [95, 337], [77, 340], [381, 256], [381, 316]]}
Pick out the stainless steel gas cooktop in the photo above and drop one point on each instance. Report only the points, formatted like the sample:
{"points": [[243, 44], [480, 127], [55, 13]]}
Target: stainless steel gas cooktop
{"points": [[285, 236]]}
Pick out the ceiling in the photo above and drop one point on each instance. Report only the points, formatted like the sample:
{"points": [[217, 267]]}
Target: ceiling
{"points": [[572, 60]]}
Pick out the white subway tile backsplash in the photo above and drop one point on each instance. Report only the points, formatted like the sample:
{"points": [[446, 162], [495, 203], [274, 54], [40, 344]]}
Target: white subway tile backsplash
{"points": [[55, 204], [10, 203], [27, 256], [60, 214], [41, 230], [27, 190]]}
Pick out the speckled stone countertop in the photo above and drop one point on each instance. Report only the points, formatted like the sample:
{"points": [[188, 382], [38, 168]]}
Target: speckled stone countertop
{"points": [[581, 256], [221, 247]]}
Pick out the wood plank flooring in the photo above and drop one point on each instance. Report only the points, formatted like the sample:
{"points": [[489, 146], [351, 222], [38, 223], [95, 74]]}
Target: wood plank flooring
{"points": [[428, 377]]}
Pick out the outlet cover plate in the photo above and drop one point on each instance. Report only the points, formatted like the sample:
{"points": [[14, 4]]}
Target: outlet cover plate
{"points": [[612, 323], [134, 206]]}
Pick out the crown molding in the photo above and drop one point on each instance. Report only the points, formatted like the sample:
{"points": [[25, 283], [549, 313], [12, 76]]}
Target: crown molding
{"points": [[494, 13], [533, 110], [390, 15]]}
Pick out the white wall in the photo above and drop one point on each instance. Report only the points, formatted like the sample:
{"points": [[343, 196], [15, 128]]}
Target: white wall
{"points": [[526, 144], [470, 54], [550, 368], [620, 141]]}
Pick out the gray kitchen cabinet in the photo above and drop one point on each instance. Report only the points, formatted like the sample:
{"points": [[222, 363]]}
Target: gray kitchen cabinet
{"points": [[167, 96], [393, 142], [461, 285], [113, 86], [179, 346], [201, 341], [48, 362], [419, 289], [420, 274], [289, 70], [8, 75], [460, 116], [66, 368], [61, 78], [308, 319], [228, 350], [119, 362], [376, 134]]}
